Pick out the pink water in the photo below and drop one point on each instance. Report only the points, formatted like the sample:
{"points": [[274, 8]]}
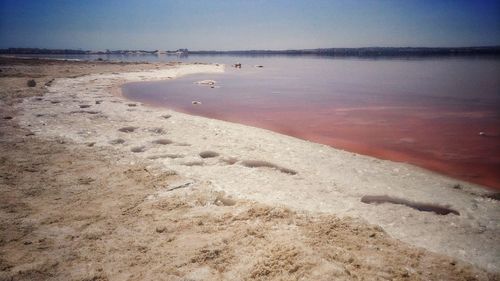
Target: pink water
{"points": [[425, 112]]}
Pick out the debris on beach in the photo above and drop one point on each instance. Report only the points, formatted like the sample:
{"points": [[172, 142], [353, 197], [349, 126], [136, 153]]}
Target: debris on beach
{"points": [[210, 83], [49, 83], [196, 102], [206, 82]]}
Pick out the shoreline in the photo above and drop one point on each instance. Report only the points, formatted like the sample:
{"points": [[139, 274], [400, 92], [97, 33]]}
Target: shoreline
{"points": [[324, 180], [377, 131], [116, 90]]}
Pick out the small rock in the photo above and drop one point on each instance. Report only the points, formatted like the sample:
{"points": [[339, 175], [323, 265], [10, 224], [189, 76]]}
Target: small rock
{"points": [[31, 83]]}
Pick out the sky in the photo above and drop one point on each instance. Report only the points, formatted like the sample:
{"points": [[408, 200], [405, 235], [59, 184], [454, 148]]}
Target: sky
{"points": [[247, 24]]}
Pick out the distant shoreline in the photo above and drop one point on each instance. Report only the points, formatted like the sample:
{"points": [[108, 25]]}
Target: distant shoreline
{"points": [[331, 52], [363, 52]]}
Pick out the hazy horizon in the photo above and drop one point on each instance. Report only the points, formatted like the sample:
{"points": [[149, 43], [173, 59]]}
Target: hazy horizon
{"points": [[247, 25], [246, 50]]}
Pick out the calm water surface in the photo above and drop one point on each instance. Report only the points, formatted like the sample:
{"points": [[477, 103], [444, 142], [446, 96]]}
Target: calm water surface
{"points": [[427, 112]]}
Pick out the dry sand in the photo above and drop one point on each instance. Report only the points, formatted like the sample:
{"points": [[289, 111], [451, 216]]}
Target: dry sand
{"points": [[99, 188]]}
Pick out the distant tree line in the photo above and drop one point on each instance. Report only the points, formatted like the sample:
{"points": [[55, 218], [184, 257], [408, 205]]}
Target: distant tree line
{"points": [[355, 52], [365, 52], [35, 51]]}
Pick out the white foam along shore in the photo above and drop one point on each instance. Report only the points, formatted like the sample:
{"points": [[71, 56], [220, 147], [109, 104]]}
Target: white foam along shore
{"points": [[327, 180]]}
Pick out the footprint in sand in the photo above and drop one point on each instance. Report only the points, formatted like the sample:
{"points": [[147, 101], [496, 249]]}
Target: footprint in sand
{"points": [[265, 164], [85, 111], [494, 196], [138, 149], [229, 160], [128, 129], [158, 131], [162, 141], [193, 163], [163, 156], [208, 154], [166, 116], [423, 207], [182, 144], [117, 141]]}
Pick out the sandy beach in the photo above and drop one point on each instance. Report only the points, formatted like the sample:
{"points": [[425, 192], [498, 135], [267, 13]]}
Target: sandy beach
{"points": [[96, 187]]}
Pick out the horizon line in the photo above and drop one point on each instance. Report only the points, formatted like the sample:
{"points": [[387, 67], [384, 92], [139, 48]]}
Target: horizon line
{"points": [[273, 50]]}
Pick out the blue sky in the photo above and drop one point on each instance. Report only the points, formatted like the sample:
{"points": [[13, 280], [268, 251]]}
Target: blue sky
{"points": [[246, 24]]}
